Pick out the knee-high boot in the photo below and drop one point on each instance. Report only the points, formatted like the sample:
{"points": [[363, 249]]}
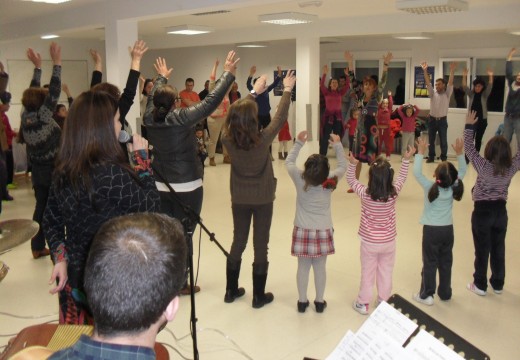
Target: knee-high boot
{"points": [[232, 289], [260, 297]]}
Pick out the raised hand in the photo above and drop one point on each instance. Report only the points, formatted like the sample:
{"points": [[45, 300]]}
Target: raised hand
{"points": [[422, 145], [96, 57], [334, 139], [252, 71], [511, 53], [55, 51], [424, 65], [349, 58], [351, 159], [453, 66], [289, 80], [409, 152], [458, 146], [325, 69], [302, 136], [162, 68], [387, 58], [138, 50], [35, 58], [260, 84], [471, 117], [279, 68], [231, 62], [389, 93]]}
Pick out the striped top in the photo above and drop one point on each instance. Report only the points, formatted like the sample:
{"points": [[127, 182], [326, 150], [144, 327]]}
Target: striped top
{"points": [[378, 222], [488, 186]]}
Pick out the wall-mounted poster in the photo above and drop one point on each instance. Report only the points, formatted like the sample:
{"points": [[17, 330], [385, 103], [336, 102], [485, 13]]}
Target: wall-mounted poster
{"points": [[420, 90], [278, 90]]}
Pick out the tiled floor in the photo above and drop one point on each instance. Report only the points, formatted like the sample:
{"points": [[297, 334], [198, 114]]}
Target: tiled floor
{"points": [[278, 331]]}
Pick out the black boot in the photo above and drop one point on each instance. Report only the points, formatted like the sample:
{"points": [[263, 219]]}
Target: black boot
{"points": [[232, 289], [260, 297]]}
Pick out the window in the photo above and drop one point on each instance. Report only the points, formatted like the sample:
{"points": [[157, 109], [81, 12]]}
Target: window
{"points": [[458, 99]]}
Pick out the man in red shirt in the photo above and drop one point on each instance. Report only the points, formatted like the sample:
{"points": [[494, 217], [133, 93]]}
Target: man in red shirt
{"points": [[188, 96]]}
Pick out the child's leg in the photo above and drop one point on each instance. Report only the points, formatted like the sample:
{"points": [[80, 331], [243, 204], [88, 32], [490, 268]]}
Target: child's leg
{"points": [[498, 249], [320, 276], [302, 277], [368, 272], [482, 228], [385, 269], [430, 255], [445, 261]]}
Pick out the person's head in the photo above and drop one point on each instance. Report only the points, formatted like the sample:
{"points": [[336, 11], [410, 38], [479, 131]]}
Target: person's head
{"points": [[342, 81], [33, 98], [354, 113], [61, 111], [440, 85], [518, 78], [498, 152], [479, 85], [148, 86], [5, 101], [135, 269], [446, 176], [316, 170], [163, 101], [333, 84], [381, 180], [369, 85], [384, 104], [242, 124], [206, 85], [108, 88], [89, 137], [190, 83], [199, 131], [409, 110], [234, 87]]}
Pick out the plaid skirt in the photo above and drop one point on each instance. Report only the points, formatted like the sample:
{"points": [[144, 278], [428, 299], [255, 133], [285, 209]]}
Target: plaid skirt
{"points": [[312, 243]]}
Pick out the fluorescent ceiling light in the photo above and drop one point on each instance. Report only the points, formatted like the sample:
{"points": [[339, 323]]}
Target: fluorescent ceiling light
{"points": [[422, 7], [413, 36], [514, 32], [49, 36], [49, 1], [189, 30], [252, 45], [287, 18]]}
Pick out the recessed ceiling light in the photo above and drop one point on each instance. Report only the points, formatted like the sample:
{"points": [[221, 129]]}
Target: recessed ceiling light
{"points": [[49, 1], [515, 32], [287, 18], [189, 30], [413, 36], [49, 36], [252, 45], [426, 7]]}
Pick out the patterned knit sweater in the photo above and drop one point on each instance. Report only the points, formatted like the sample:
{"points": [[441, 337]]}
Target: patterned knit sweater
{"points": [[40, 131]]}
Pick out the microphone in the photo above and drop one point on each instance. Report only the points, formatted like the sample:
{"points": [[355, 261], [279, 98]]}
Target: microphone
{"points": [[125, 138]]}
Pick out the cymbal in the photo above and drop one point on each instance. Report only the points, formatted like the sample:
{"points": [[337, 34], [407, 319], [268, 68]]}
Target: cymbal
{"points": [[15, 232]]}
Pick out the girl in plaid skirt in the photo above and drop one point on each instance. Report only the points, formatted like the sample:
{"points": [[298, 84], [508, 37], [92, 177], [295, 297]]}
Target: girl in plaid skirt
{"points": [[312, 238]]}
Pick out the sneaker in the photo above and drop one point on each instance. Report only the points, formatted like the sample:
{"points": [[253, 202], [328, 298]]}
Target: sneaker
{"points": [[429, 160], [497, 291], [427, 301], [350, 191], [360, 308], [473, 288], [187, 291], [11, 186]]}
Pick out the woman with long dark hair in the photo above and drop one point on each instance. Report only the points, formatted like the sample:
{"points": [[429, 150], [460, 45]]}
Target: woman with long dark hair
{"points": [[253, 185], [92, 183]]}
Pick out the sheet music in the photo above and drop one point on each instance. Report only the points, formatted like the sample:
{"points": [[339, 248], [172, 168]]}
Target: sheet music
{"points": [[386, 319], [425, 346]]}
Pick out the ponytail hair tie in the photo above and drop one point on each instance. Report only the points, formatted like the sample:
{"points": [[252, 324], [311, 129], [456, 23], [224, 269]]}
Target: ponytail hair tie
{"points": [[438, 181]]}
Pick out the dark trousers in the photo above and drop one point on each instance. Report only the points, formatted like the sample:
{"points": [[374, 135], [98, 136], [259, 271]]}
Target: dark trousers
{"points": [[9, 162], [330, 126], [41, 181], [3, 183], [440, 126], [437, 246], [242, 215], [489, 226], [350, 142], [478, 134], [172, 208]]}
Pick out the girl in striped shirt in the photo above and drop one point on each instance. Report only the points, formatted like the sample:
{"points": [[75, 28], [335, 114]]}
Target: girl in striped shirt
{"points": [[489, 217], [377, 228]]}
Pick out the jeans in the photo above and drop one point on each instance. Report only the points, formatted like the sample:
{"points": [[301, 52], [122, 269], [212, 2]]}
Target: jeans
{"points": [[440, 126], [512, 123], [41, 181]]}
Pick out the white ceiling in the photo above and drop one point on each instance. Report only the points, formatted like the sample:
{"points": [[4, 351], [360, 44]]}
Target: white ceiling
{"points": [[86, 19]]}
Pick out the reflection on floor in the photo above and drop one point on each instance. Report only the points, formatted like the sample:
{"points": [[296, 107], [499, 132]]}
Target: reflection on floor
{"points": [[278, 331]]}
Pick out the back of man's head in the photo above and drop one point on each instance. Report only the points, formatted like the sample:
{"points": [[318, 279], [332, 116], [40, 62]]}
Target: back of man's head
{"points": [[136, 267]]}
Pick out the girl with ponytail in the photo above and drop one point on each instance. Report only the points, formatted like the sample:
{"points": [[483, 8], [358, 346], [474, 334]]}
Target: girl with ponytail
{"points": [[437, 220]]}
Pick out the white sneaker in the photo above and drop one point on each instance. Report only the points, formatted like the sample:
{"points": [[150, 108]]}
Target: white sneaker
{"points": [[473, 288], [428, 301], [360, 308], [496, 291]]}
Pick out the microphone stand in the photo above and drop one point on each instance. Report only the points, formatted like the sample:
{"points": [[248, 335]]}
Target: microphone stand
{"points": [[189, 222]]}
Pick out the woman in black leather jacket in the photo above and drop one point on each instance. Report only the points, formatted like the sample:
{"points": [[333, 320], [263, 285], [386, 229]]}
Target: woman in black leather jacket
{"points": [[171, 132]]}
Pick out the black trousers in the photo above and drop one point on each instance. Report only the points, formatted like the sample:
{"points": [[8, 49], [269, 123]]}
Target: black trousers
{"points": [[172, 208], [437, 246], [489, 226], [440, 126], [41, 181], [331, 126]]}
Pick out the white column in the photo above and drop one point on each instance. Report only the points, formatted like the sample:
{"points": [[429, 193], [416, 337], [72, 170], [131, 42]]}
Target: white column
{"points": [[119, 35], [307, 89]]}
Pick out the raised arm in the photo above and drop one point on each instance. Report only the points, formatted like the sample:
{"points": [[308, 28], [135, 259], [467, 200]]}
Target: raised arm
{"points": [[276, 80], [36, 59], [489, 87], [163, 73], [4, 79], [290, 162], [465, 86], [252, 72], [283, 107], [66, 90], [323, 88], [213, 75], [51, 100], [384, 76], [453, 66], [97, 74], [427, 80], [469, 145]]}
